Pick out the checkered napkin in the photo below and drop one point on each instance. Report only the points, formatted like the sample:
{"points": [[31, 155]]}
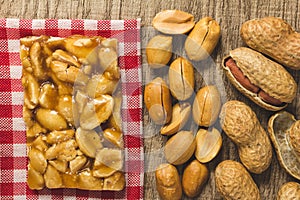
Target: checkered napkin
{"points": [[13, 158]]}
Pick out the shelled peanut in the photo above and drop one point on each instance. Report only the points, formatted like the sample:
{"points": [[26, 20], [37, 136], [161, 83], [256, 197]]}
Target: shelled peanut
{"points": [[69, 96], [169, 105]]}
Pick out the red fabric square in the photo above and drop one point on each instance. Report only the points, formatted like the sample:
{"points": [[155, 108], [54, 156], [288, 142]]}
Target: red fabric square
{"points": [[6, 137], [7, 163], [6, 190], [6, 111], [4, 58], [5, 85], [51, 26]]}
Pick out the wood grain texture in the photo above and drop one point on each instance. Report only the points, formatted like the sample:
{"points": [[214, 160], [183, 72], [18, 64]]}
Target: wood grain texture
{"points": [[230, 14]]}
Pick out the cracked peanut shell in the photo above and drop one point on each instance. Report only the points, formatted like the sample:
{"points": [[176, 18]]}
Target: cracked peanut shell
{"points": [[267, 75]]}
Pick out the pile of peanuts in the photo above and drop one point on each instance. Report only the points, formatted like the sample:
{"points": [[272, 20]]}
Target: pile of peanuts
{"points": [[263, 80], [72, 112]]}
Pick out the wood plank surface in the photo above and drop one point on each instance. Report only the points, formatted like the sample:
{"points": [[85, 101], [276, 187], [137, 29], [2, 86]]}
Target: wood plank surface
{"points": [[230, 14]]}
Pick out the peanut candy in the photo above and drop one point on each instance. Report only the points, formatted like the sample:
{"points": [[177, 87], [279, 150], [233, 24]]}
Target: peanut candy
{"points": [[70, 91]]}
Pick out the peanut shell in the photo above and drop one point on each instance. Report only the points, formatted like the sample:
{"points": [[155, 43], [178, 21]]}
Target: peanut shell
{"points": [[241, 125], [269, 76], [279, 127], [274, 37], [234, 182], [289, 191]]}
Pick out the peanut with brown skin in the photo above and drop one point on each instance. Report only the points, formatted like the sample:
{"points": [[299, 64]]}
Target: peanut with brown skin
{"points": [[262, 80]]}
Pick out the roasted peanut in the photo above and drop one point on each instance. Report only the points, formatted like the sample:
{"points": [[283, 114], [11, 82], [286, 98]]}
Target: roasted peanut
{"points": [[35, 179], [64, 151], [263, 81], [64, 72], [194, 177], [114, 182], [180, 115], [36, 59], [115, 120], [284, 133], [274, 37], [107, 162], [180, 147], [114, 136], [52, 178], [208, 144], [51, 119], [173, 22], [37, 160], [203, 39], [241, 125], [96, 111], [181, 78], [159, 51], [31, 90], [88, 182], [99, 85], [65, 107], [168, 182], [107, 57], [206, 106], [48, 96], [59, 136], [289, 191], [88, 141], [59, 165], [81, 46], [234, 182], [157, 99], [77, 163]]}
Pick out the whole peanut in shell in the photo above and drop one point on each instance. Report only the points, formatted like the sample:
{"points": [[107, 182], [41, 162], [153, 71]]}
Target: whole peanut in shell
{"points": [[289, 191], [234, 182], [168, 182], [241, 125], [274, 37], [194, 177], [203, 39], [262, 80]]}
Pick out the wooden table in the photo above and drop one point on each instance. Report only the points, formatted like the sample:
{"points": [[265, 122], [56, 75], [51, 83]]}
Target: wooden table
{"points": [[230, 14]]}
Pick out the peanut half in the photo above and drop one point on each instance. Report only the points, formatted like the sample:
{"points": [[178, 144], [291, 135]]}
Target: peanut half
{"points": [[157, 99], [159, 51], [180, 147], [263, 81], [180, 115], [241, 125], [173, 22], [284, 133], [203, 39], [206, 106], [274, 37], [234, 182], [181, 78]]}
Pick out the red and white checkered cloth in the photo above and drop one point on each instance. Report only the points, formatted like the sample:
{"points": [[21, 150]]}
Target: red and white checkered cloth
{"points": [[13, 158]]}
